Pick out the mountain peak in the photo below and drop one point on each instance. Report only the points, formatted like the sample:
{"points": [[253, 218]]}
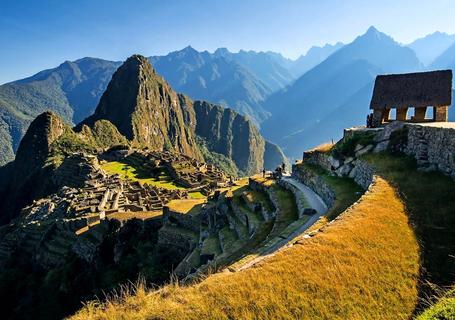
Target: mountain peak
{"points": [[145, 109], [373, 32], [42, 132]]}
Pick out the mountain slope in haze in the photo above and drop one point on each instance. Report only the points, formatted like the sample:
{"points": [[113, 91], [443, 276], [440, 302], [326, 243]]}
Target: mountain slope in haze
{"points": [[312, 58], [263, 65], [206, 76], [431, 46], [446, 61], [328, 85], [72, 90]]}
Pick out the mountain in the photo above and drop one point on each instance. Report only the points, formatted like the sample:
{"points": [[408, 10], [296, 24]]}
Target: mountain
{"points": [[150, 114], [214, 78], [446, 61], [72, 90], [139, 108], [264, 65], [312, 58], [145, 109], [321, 90], [431, 46]]}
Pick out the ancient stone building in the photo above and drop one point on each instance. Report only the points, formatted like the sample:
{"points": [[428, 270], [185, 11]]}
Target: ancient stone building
{"points": [[412, 90]]}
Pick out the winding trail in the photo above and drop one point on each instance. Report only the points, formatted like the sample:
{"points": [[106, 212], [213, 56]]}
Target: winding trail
{"points": [[315, 202]]}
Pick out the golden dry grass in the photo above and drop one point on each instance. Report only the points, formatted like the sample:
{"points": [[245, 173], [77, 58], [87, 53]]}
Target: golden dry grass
{"points": [[185, 206], [324, 147], [362, 266], [142, 215]]}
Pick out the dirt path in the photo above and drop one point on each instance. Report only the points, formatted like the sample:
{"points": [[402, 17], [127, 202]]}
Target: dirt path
{"points": [[314, 201]]}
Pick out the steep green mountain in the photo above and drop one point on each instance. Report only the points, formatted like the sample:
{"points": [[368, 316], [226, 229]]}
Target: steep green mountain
{"points": [[312, 58], [321, 90], [231, 134], [145, 109], [72, 90], [431, 46], [205, 76]]}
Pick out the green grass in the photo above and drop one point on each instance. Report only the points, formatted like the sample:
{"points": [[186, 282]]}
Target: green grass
{"points": [[443, 309], [211, 245], [253, 196], [196, 195], [287, 210], [138, 173]]}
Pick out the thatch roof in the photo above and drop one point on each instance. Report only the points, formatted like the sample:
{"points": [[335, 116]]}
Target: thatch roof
{"points": [[413, 90]]}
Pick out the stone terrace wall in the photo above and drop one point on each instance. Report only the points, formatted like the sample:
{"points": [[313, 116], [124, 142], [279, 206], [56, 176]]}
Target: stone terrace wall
{"points": [[187, 221], [316, 183], [433, 146]]}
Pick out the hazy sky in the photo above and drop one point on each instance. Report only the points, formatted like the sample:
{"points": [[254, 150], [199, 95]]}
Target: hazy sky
{"points": [[40, 34]]}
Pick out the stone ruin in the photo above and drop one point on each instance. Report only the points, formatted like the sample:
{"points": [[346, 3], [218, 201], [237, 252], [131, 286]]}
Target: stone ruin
{"points": [[412, 90]]}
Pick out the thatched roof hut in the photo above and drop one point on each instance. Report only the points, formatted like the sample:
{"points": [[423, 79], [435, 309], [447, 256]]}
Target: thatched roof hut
{"points": [[416, 90]]}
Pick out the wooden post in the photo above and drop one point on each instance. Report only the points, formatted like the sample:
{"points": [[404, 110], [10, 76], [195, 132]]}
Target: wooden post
{"points": [[440, 113], [377, 118], [419, 114], [385, 115], [402, 114]]}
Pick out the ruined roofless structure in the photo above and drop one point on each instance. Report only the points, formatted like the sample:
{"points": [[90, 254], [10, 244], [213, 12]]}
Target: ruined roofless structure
{"points": [[412, 90]]}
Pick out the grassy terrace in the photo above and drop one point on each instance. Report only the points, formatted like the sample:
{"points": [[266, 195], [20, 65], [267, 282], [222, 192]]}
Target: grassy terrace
{"points": [[186, 206], [365, 265], [141, 174], [136, 172]]}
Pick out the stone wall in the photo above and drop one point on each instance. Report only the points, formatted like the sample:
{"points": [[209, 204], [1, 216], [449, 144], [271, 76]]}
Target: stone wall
{"points": [[316, 183], [187, 221], [318, 158], [433, 147], [362, 173], [298, 194]]}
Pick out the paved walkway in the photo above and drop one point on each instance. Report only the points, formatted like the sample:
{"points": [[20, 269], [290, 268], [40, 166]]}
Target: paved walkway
{"points": [[314, 201]]}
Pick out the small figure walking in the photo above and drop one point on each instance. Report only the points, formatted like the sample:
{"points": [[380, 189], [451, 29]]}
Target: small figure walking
{"points": [[263, 173], [283, 167]]}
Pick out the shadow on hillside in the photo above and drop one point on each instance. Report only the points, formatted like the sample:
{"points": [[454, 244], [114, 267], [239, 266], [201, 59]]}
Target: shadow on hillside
{"points": [[430, 203]]}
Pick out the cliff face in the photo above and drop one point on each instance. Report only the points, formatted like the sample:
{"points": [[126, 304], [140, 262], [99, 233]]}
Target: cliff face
{"points": [[231, 134], [145, 109]]}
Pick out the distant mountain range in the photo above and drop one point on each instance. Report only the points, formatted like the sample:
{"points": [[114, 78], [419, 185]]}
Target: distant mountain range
{"points": [[297, 103], [431, 46]]}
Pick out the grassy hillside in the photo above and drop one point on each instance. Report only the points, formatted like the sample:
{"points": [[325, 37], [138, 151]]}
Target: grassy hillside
{"points": [[365, 265]]}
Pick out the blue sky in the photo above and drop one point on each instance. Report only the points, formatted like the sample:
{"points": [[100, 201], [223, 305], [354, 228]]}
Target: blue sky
{"points": [[40, 34]]}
